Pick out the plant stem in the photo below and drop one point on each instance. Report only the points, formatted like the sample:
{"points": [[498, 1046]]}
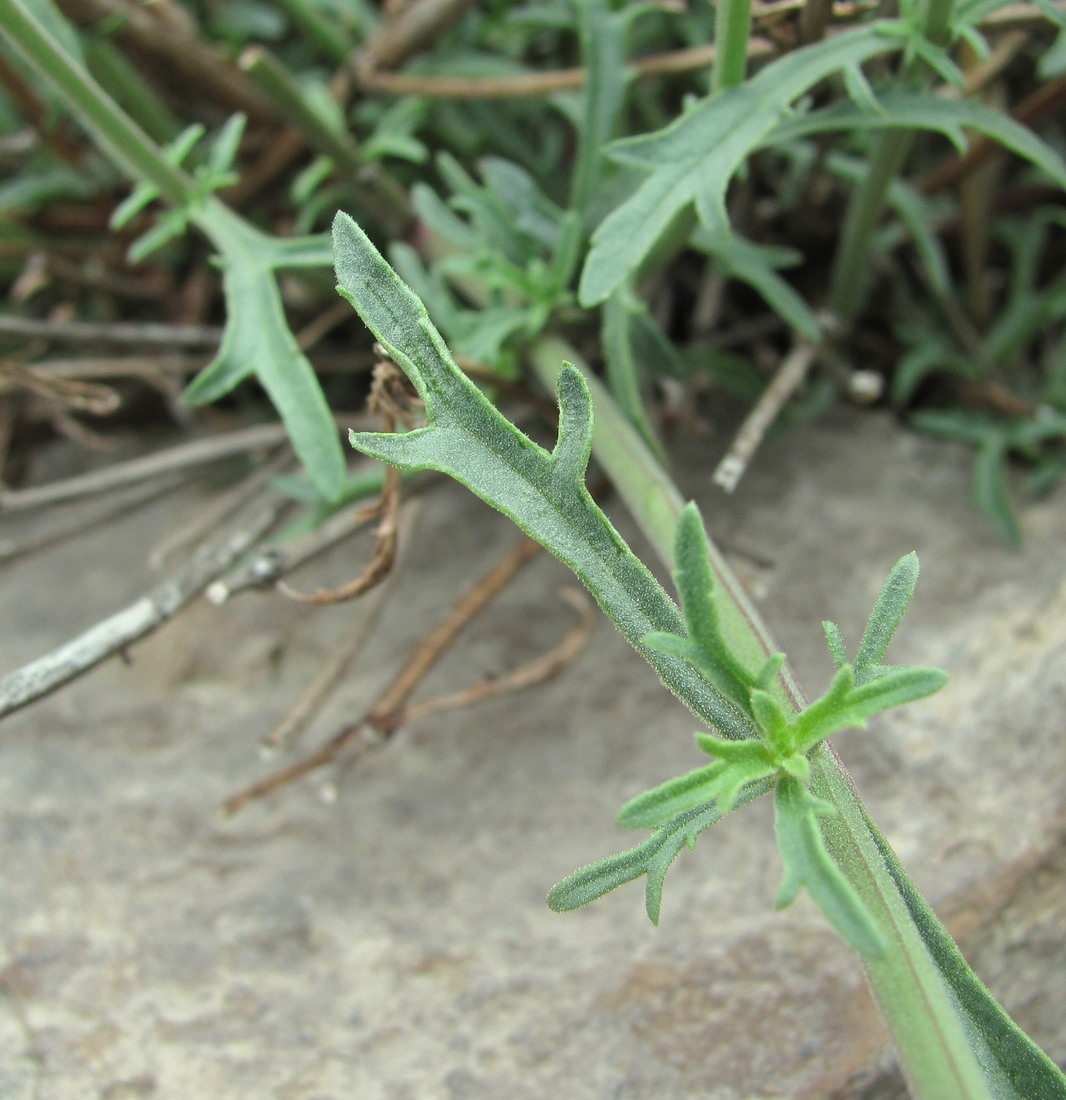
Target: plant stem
{"points": [[953, 1038], [851, 263], [123, 140], [850, 267], [329, 35], [731, 33]]}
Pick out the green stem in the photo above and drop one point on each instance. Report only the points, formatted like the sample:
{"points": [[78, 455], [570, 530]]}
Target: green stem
{"points": [[953, 1039], [731, 33], [278, 85], [851, 263], [124, 142], [110, 67], [383, 198], [329, 35]]}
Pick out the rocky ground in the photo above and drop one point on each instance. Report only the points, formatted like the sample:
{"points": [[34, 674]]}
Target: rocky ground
{"points": [[379, 931]]}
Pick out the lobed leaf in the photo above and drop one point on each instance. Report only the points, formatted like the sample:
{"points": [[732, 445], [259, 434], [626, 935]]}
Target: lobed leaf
{"points": [[257, 339], [720, 782], [902, 108], [652, 858], [544, 494], [892, 688], [693, 159]]}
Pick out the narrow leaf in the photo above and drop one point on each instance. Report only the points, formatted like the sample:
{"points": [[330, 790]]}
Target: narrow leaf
{"points": [[887, 614], [907, 109], [835, 640], [544, 494], [720, 782], [257, 339], [652, 858], [807, 864]]}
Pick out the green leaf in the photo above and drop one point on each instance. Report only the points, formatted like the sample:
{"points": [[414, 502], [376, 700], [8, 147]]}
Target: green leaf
{"points": [[603, 42], [693, 159], [755, 265], [257, 339], [772, 719], [695, 583], [652, 858], [990, 487], [902, 108], [807, 864], [224, 151], [891, 688], [835, 640], [544, 494], [623, 374], [720, 782], [887, 613]]}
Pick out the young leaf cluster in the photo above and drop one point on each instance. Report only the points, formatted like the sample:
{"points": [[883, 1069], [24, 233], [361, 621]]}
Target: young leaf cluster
{"points": [[776, 756], [209, 177]]}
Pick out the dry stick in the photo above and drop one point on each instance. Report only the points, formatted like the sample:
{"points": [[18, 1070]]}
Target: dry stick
{"points": [[35, 112], [138, 497], [152, 368], [538, 671], [387, 507], [267, 565], [539, 84], [379, 566], [220, 508], [176, 43], [90, 397], [119, 332], [115, 633], [184, 455], [416, 25], [325, 322], [286, 732], [379, 723], [788, 377]]}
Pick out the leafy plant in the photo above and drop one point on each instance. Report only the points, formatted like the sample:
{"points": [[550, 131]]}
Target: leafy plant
{"points": [[543, 230], [767, 737]]}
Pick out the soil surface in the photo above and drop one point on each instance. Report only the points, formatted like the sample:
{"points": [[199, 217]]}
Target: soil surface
{"points": [[378, 931]]}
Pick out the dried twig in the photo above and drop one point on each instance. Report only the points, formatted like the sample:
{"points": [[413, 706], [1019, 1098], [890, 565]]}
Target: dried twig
{"points": [[267, 565], [220, 508], [387, 399], [116, 332], [68, 528], [380, 564], [168, 35], [184, 455], [89, 397], [538, 671], [524, 85], [379, 723], [115, 633], [785, 382], [415, 25], [285, 733]]}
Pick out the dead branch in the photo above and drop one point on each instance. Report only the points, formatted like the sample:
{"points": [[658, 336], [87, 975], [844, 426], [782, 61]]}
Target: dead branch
{"points": [[115, 633], [379, 723], [169, 460]]}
